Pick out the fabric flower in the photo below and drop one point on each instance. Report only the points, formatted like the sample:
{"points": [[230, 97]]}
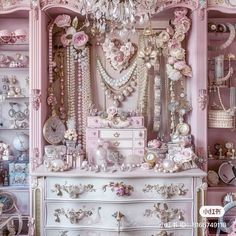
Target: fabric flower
{"points": [[63, 21], [171, 60], [178, 53], [172, 73], [79, 40]]}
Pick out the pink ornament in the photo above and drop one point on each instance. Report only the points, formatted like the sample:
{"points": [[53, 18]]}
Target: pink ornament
{"points": [[63, 21], [79, 39]]}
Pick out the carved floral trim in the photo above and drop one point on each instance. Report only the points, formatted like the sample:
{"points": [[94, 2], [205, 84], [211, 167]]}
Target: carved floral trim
{"points": [[163, 233], [6, 5], [165, 214], [36, 99], [74, 216], [166, 191], [74, 191], [120, 189]]}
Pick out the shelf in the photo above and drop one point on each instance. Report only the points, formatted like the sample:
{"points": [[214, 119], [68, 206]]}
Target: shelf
{"points": [[20, 187], [19, 97], [220, 160], [14, 47], [12, 129], [14, 68], [222, 188]]}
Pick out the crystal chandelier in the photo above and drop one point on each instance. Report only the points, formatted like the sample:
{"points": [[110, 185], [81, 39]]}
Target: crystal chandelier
{"points": [[119, 14]]}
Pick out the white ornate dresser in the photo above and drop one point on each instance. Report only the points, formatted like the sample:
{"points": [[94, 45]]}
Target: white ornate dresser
{"points": [[136, 203]]}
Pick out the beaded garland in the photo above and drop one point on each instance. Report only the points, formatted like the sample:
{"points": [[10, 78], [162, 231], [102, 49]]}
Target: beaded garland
{"points": [[118, 89]]}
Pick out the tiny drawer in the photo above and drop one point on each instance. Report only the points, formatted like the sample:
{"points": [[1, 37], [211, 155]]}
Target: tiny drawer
{"points": [[116, 133], [138, 143], [140, 134], [91, 133], [139, 152], [121, 143]]}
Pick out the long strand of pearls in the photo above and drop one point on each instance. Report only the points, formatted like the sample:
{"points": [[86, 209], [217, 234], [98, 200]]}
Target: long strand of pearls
{"points": [[120, 89], [157, 103], [79, 99], [86, 90]]}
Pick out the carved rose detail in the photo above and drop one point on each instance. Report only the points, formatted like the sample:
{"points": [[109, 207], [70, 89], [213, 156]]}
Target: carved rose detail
{"points": [[120, 189]]}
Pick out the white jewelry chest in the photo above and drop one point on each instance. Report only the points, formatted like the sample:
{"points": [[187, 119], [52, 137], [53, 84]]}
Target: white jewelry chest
{"points": [[77, 203]]}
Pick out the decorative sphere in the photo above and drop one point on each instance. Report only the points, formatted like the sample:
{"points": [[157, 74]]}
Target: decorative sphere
{"points": [[168, 164], [21, 142]]}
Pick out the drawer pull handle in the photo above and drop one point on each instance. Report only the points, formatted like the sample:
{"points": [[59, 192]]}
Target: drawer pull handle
{"points": [[74, 191], [118, 216], [164, 213], [116, 135], [116, 144], [74, 216], [163, 233], [166, 191]]}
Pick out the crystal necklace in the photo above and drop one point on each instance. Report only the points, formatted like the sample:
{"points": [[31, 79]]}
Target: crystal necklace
{"points": [[118, 89]]}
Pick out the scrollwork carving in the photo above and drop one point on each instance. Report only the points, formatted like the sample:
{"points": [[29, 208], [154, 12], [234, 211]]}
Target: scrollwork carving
{"points": [[165, 214], [166, 191], [120, 189], [163, 233], [74, 191], [36, 160], [74, 216], [36, 99]]}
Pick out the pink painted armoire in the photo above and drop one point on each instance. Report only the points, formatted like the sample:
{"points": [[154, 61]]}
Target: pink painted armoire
{"points": [[117, 117]]}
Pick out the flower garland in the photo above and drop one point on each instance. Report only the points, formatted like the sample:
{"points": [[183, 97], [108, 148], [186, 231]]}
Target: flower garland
{"points": [[119, 54]]}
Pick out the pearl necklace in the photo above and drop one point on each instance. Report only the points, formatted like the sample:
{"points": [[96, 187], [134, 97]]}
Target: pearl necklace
{"points": [[115, 82], [84, 94], [117, 89], [157, 103], [229, 41], [142, 77]]}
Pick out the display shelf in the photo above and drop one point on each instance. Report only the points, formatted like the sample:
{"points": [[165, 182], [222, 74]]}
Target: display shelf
{"points": [[13, 129], [15, 68]]}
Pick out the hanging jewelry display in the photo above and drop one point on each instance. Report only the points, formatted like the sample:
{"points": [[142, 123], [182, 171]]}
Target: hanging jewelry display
{"points": [[229, 41], [157, 103], [84, 93], [142, 78], [118, 89], [58, 71]]}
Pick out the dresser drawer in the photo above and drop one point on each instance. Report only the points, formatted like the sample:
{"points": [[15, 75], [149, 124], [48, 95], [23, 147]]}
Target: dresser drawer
{"points": [[133, 215], [116, 133], [181, 232], [99, 189], [121, 143]]}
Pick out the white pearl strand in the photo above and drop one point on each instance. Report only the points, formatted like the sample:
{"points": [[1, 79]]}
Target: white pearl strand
{"points": [[119, 94], [72, 82], [87, 94], [79, 99], [172, 101], [157, 103], [116, 82], [50, 55]]}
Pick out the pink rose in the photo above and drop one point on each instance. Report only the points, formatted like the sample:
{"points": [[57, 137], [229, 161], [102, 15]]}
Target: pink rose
{"points": [[79, 39], [179, 65], [171, 60], [63, 21], [65, 41]]}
